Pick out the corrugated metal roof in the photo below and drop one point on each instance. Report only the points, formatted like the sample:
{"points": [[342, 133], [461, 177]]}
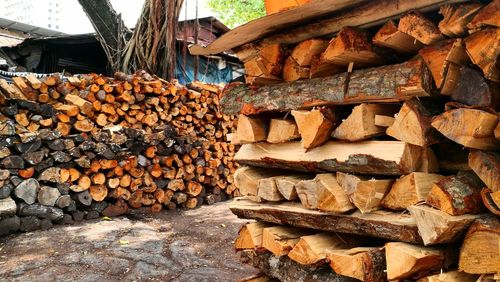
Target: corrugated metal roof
{"points": [[31, 30], [9, 41]]}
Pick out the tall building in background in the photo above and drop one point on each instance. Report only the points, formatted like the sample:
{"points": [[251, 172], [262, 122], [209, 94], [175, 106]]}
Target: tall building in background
{"points": [[42, 13]]}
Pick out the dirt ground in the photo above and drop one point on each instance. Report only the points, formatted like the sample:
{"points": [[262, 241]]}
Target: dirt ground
{"points": [[188, 245]]}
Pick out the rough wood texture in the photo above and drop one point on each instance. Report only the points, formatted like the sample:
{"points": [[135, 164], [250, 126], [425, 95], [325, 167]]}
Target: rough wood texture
{"points": [[391, 37], [450, 276], [368, 157], [314, 126], [360, 125], [280, 240], [251, 129], [420, 28], [331, 196], [250, 236], [382, 84], [286, 270], [286, 184], [307, 191], [480, 252], [437, 227], [247, 179], [413, 123], [482, 47], [268, 190], [365, 264], [456, 17], [469, 127], [491, 200], [380, 224], [313, 249], [487, 166], [292, 71], [487, 16], [305, 51], [457, 194]]}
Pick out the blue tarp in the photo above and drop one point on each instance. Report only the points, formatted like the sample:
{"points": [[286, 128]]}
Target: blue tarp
{"points": [[184, 71]]}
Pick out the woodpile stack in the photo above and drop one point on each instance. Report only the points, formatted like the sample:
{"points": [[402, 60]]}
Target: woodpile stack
{"points": [[372, 155], [88, 146]]}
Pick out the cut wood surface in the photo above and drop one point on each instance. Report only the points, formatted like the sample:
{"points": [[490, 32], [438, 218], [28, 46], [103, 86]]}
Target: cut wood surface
{"points": [[487, 16], [456, 17], [361, 123], [469, 127], [250, 236], [380, 224], [411, 261], [391, 37], [420, 28], [367, 157], [268, 190], [305, 51], [410, 190], [292, 71], [286, 184], [491, 200], [487, 166], [450, 276], [365, 264], [280, 240], [247, 179], [390, 83], [251, 129], [330, 195], [307, 191], [313, 249], [482, 47], [480, 253], [314, 126], [437, 227]]}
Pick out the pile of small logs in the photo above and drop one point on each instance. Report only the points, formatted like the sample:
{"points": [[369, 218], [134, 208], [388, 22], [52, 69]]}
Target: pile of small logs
{"points": [[82, 147], [388, 173]]}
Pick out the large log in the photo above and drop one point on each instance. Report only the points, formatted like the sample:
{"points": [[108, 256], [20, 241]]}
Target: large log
{"points": [[380, 224], [368, 157], [390, 83]]}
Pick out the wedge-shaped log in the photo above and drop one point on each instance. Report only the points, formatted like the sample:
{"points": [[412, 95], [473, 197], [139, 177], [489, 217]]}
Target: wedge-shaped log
{"points": [[307, 191], [457, 194], [367, 157], [292, 71], [247, 179], [286, 184], [314, 126], [365, 264], [331, 196], [322, 68], [487, 16], [487, 166], [250, 236], [380, 224], [450, 276], [420, 28], [382, 84], [280, 240], [360, 125], [410, 190], [251, 129], [413, 124], [483, 47], [364, 192], [437, 227], [412, 261], [262, 60], [351, 45], [480, 253], [391, 37], [313, 249], [471, 128], [268, 190], [305, 51], [456, 17]]}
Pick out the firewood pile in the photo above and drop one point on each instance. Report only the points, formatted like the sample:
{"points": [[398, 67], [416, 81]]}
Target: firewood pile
{"points": [[372, 155], [92, 146]]}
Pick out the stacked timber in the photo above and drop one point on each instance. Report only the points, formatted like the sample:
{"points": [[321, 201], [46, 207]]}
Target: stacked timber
{"points": [[92, 146], [378, 157]]}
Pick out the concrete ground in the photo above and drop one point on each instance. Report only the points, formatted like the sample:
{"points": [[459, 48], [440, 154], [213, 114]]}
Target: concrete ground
{"points": [[187, 245]]}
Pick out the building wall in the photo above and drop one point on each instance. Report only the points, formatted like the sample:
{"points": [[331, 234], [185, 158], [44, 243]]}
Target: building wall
{"points": [[42, 13]]}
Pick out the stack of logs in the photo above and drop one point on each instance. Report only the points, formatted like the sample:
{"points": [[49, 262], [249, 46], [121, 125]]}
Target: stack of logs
{"points": [[82, 147], [373, 174]]}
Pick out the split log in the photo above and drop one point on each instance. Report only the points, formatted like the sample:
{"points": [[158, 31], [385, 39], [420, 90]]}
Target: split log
{"points": [[487, 166], [456, 17], [364, 192], [365, 264], [469, 127], [351, 45], [268, 190], [292, 71], [251, 129], [282, 130], [410, 190], [322, 68], [330, 195], [368, 157], [487, 16], [247, 179], [437, 227], [420, 28], [390, 36], [450, 276], [457, 194], [413, 124], [384, 121], [314, 126], [382, 84], [250, 236], [313, 249], [483, 47], [286, 185], [307, 191], [361, 123], [305, 51], [480, 253], [379, 224], [280, 240], [411, 261]]}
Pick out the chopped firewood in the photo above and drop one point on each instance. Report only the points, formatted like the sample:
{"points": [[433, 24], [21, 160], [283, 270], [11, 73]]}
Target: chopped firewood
{"points": [[84, 105], [292, 71], [364, 192], [98, 192], [307, 191], [487, 166], [487, 16], [482, 47], [313, 249], [360, 125], [456, 17], [384, 121], [457, 194], [70, 110], [34, 82], [247, 179], [250, 236], [280, 240], [22, 119], [286, 185], [410, 190], [282, 130], [491, 200], [268, 190], [251, 129], [330, 195], [480, 253], [420, 28], [450, 276], [365, 264], [411, 261], [390, 36], [84, 125], [438, 227], [314, 126], [469, 127], [322, 68], [304, 53]]}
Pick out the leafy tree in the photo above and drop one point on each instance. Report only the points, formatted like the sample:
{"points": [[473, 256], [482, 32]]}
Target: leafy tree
{"points": [[237, 12]]}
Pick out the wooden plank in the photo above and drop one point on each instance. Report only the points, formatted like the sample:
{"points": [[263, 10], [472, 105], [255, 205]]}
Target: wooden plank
{"points": [[380, 224], [392, 83], [367, 157]]}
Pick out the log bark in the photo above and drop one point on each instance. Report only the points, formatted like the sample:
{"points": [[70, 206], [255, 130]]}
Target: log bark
{"points": [[382, 84], [491, 200]]}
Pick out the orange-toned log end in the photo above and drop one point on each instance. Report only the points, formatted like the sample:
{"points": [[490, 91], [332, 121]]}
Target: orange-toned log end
{"points": [[156, 208], [64, 174], [98, 192], [27, 173], [135, 200], [116, 209], [191, 203]]}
